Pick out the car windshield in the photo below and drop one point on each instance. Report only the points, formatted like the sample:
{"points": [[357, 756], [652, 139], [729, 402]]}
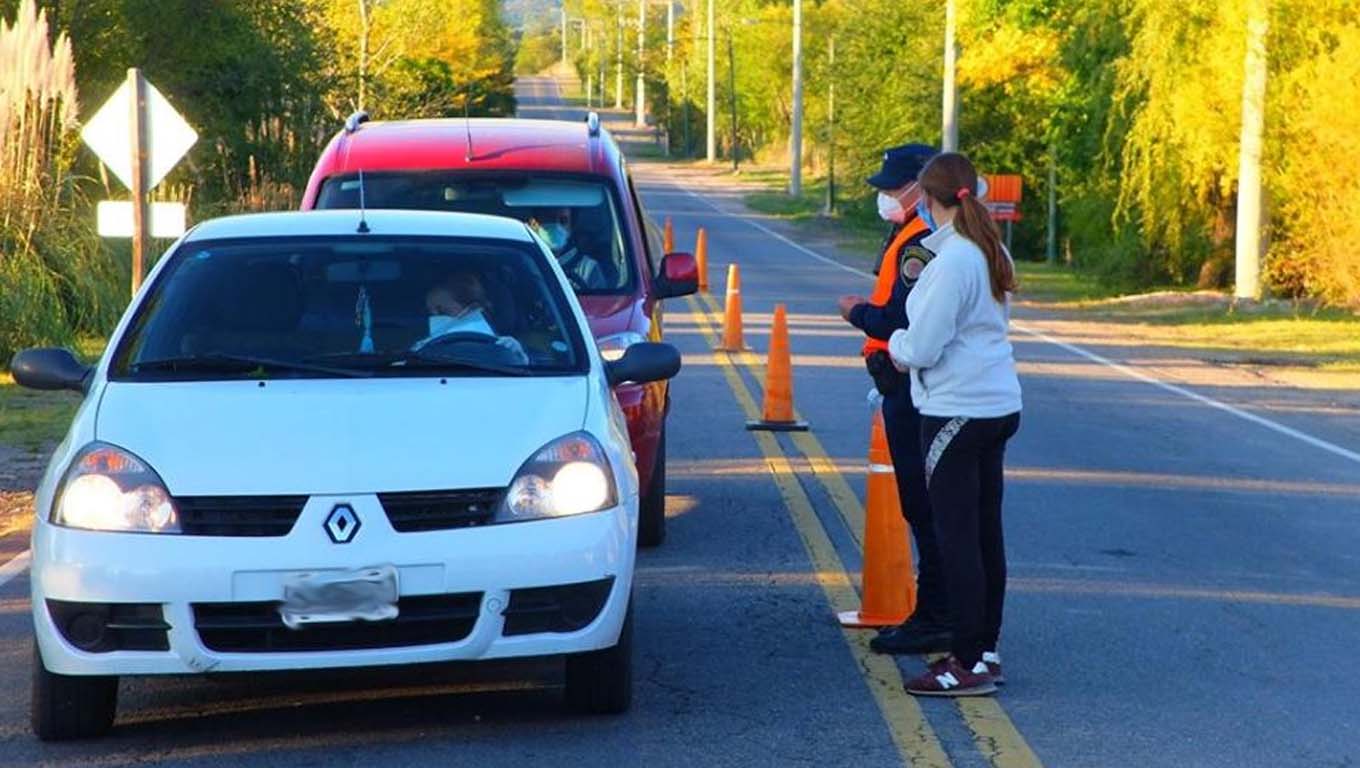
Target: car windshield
{"points": [[578, 218], [352, 306]]}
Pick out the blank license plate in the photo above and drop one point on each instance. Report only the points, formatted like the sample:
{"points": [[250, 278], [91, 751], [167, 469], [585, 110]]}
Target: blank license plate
{"points": [[368, 594]]}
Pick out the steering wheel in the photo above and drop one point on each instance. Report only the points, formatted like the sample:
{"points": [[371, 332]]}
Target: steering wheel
{"points": [[457, 337], [576, 280]]}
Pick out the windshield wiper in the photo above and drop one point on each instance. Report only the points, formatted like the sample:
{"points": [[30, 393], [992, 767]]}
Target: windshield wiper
{"points": [[219, 362], [417, 359], [426, 360]]}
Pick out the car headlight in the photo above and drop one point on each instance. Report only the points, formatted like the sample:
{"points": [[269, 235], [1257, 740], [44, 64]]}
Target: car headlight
{"points": [[109, 489], [569, 476], [612, 347]]}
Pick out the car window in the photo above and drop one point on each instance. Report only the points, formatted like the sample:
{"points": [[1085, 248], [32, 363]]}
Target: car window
{"points": [[390, 306], [579, 217]]}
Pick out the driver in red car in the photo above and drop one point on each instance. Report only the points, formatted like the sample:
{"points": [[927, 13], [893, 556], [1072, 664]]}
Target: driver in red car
{"points": [[554, 225]]}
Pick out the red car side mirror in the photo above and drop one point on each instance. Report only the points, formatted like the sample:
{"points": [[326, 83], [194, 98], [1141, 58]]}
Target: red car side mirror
{"points": [[679, 276]]}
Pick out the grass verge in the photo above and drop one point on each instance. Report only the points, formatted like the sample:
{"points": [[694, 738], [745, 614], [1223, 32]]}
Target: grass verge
{"points": [[33, 421]]}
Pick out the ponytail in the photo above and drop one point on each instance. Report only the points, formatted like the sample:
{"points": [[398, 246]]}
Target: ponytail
{"points": [[951, 180]]}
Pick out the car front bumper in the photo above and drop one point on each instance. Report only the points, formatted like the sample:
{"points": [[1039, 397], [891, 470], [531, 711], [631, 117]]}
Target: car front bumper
{"points": [[182, 572]]}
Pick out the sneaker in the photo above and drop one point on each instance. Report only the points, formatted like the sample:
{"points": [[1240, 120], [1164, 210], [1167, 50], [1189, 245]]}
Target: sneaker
{"points": [[947, 677], [913, 636], [993, 661]]}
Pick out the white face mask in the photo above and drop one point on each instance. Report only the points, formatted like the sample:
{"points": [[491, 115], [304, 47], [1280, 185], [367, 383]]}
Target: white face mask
{"points": [[472, 321], [890, 208]]}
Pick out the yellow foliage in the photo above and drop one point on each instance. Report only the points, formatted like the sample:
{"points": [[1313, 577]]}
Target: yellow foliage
{"points": [[1321, 199], [1011, 57]]}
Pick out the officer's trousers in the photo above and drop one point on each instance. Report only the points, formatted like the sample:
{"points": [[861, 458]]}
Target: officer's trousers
{"points": [[902, 423]]}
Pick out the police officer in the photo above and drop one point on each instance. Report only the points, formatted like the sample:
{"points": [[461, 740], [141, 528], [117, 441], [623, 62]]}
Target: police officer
{"points": [[927, 630]]}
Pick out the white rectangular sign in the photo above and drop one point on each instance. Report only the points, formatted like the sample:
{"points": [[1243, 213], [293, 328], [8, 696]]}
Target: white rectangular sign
{"points": [[115, 219]]}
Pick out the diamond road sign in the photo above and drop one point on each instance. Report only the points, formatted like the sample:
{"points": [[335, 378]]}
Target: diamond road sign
{"points": [[168, 137]]}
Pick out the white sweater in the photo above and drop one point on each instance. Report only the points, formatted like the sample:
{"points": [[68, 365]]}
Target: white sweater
{"points": [[956, 344]]}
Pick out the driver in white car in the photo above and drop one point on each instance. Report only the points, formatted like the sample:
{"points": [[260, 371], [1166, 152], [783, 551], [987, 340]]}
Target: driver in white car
{"points": [[459, 305]]}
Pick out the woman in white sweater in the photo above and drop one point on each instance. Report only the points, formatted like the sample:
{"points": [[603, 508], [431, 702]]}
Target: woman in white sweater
{"points": [[963, 380]]}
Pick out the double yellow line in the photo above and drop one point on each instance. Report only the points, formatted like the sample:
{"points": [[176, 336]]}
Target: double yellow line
{"points": [[916, 742]]}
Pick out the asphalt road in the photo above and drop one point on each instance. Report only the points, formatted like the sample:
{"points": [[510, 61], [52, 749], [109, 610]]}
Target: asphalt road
{"points": [[1183, 586]]}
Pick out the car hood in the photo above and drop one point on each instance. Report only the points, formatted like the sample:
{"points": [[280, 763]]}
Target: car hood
{"points": [[309, 436]]}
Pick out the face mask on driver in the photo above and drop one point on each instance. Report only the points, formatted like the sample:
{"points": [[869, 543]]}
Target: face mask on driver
{"points": [[472, 321], [556, 234]]}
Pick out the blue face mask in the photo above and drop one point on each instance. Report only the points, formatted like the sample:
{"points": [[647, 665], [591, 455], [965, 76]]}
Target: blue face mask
{"points": [[923, 210], [557, 235]]}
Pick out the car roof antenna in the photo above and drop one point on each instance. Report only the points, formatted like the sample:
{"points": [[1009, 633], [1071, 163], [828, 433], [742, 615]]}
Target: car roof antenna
{"points": [[467, 124], [363, 220]]}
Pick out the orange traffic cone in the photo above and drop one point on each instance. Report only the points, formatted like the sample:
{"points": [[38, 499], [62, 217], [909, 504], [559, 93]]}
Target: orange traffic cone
{"points": [[668, 239], [732, 337], [889, 584], [701, 259], [778, 415]]}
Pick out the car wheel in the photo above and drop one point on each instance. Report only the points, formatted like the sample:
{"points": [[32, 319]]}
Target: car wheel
{"points": [[71, 706], [652, 508], [601, 682]]}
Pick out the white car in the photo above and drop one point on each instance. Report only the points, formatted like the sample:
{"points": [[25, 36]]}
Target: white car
{"points": [[338, 439]]}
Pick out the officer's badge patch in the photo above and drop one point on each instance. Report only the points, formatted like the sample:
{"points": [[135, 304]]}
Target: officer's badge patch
{"points": [[914, 260]]}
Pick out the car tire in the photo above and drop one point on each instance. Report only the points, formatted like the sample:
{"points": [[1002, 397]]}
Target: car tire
{"points": [[601, 682], [652, 508], [71, 706]]}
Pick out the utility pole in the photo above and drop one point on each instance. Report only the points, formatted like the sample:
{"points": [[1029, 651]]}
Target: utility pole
{"points": [[618, 62], [712, 90], [732, 87], [564, 33], [796, 132], [641, 89], [670, 32], [831, 126], [949, 141], [1051, 240], [684, 90], [590, 71], [1249, 216]]}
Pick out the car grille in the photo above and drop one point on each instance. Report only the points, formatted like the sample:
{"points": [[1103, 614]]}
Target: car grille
{"points": [[440, 510], [257, 627], [238, 515]]}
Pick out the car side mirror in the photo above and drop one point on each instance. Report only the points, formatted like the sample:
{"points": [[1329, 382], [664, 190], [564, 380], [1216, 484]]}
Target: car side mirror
{"points": [[644, 362], [50, 368], [679, 276]]}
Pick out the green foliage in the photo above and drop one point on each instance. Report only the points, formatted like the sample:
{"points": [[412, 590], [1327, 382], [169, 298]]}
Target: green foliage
{"points": [[537, 52], [265, 83], [1135, 104], [55, 279]]}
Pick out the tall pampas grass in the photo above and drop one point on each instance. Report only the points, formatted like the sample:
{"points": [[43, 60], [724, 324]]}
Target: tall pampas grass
{"points": [[56, 281]]}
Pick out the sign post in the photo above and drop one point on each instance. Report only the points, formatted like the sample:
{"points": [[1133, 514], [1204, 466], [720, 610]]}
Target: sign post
{"points": [[140, 137], [137, 145]]}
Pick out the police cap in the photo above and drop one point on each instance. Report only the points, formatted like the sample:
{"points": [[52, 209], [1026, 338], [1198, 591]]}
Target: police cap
{"points": [[902, 165]]}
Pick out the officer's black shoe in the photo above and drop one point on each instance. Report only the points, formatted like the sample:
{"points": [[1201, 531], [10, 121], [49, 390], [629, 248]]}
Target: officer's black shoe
{"points": [[915, 635]]}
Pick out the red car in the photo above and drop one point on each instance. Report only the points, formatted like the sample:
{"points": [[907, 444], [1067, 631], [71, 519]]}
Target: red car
{"points": [[570, 182]]}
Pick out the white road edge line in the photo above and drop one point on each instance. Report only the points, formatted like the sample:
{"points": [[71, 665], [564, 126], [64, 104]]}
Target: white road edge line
{"points": [[1260, 421], [14, 567]]}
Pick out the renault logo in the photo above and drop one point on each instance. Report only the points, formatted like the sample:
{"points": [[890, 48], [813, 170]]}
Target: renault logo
{"points": [[342, 524]]}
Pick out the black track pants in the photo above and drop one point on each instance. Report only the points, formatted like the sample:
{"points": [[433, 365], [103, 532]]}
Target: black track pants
{"points": [[902, 423], [963, 463]]}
